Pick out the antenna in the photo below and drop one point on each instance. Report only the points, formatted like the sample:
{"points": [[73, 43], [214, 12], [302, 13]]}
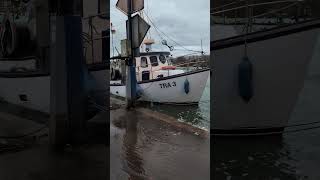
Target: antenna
{"points": [[113, 31], [247, 29], [201, 48], [117, 51]]}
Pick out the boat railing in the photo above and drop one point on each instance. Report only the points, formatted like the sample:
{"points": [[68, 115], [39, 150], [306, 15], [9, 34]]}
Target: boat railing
{"points": [[23, 64], [188, 66], [230, 15], [19, 58]]}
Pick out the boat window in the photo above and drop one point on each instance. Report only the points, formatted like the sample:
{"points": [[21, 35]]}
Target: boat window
{"points": [[162, 59], [154, 61], [143, 62]]}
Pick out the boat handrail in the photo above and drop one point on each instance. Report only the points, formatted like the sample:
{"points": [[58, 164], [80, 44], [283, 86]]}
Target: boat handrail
{"points": [[275, 10], [225, 5], [266, 22], [176, 65], [153, 71], [182, 64], [253, 5], [190, 61]]}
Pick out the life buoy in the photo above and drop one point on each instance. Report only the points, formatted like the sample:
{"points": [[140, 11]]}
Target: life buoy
{"points": [[245, 85], [168, 68]]}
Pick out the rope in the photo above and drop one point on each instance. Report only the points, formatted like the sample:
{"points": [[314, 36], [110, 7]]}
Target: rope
{"points": [[247, 30], [276, 10], [303, 129], [225, 5], [303, 124], [159, 33]]}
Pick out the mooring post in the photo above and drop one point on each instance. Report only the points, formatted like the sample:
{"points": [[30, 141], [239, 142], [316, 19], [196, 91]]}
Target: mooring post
{"points": [[68, 97], [131, 69]]}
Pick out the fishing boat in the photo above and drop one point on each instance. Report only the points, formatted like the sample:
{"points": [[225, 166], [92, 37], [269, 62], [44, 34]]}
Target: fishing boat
{"points": [[258, 77], [158, 79], [24, 60], [161, 82]]}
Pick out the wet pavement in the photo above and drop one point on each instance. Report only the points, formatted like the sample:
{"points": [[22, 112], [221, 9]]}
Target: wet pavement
{"points": [[149, 145], [32, 158], [144, 145]]}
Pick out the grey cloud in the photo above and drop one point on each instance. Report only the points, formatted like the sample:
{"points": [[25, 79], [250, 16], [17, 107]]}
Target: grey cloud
{"points": [[186, 21]]}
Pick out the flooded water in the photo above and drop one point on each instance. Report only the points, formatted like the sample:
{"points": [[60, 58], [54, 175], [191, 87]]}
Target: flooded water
{"points": [[294, 155], [197, 115], [145, 148]]}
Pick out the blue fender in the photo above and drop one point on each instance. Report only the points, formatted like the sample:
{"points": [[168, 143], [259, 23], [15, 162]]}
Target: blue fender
{"points": [[186, 86], [245, 84]]}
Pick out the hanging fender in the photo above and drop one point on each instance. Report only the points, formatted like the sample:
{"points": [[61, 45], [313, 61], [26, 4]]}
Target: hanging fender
{"points": [[245, 84], [186, 86]]}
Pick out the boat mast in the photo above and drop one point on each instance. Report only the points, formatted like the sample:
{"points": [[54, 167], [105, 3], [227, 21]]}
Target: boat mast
{"points": [[148, 41]]}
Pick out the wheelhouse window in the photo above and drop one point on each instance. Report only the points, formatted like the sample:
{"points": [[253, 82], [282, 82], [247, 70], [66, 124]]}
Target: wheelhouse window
{"points": [[154, 61], [144, 62], [162, 59]]}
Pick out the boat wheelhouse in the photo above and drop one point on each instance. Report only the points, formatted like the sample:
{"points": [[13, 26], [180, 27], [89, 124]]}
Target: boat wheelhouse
{"points": [[152, 65], [149, 65]]}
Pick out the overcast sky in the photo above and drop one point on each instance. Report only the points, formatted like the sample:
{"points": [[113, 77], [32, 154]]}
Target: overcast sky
{"points": [[185, 21]]}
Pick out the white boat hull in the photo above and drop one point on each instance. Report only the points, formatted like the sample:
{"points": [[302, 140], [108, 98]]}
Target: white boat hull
{"points": [[279, 65], [33, 92], [169, 89]]}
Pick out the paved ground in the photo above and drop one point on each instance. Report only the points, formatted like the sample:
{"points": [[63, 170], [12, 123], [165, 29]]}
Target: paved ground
{"points": [[31, 158], [144, 145], [150, 145]]}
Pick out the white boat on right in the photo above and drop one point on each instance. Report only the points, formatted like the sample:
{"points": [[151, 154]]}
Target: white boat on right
{"points": [[257, 78]]}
